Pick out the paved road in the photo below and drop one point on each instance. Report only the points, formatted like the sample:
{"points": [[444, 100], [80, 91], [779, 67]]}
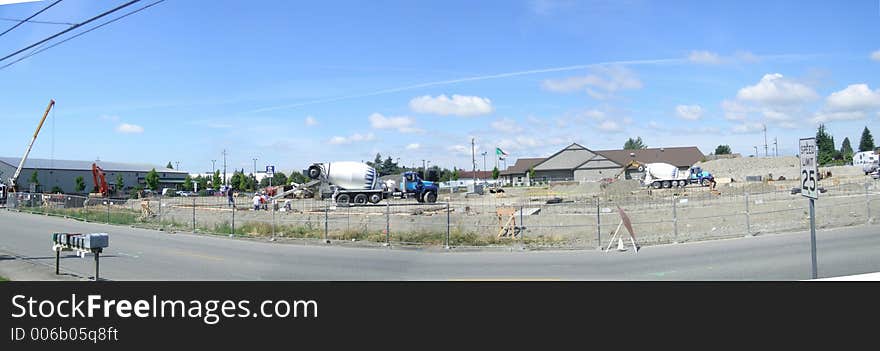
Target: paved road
{"points": [[137, 254]]}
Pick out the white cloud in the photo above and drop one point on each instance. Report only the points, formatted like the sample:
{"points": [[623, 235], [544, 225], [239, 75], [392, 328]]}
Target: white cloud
{"points": [[854, 97], [875, 55], [354, 138], [689, 112], [459, 149], [458, 105], [506, 125], [854, 102], [704, 57], [311, 121], [776, 116], [601, 83], [748, 128], [402, 124], [126, 128], [594, 114], [609, 126], [734, 111], [711, 58], [413, 146], [774, 89]]}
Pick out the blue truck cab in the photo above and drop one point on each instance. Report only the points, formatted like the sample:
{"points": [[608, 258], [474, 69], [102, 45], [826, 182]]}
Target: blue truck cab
{"points": [[422, 190], [699, 176]]}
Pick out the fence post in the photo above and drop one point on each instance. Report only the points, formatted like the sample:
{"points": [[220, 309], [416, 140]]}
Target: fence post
{"points": [[867, 204], [675, 219], [274, 203], [194, 215], [233, 219], [522, 224], [447, 225], [108, 211], [598, 225], [160, 212], [387, 223], [748, 217], [326, 222]]}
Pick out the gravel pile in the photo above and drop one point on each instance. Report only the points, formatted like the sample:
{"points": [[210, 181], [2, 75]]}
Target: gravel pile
{"points": [[786, 166]]}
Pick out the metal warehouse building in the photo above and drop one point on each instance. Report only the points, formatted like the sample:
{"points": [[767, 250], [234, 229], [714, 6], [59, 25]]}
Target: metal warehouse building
{"points": [[63, 174]]}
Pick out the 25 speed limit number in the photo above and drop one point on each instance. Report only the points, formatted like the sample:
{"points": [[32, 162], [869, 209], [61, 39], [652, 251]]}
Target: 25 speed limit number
{"points": [[93, 335]]}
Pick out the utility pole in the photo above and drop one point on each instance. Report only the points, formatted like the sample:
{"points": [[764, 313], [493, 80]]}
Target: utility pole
{"points": [[255, 172], [756, 151], [177, 164], [213, 167], [765, 141], [224, 168], [484, 160], [775, 148], [474, 161]]}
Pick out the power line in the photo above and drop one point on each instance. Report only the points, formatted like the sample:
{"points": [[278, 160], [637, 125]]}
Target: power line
{"points": [[35, 22], [81, 33], [32, 16], [70, 29]]}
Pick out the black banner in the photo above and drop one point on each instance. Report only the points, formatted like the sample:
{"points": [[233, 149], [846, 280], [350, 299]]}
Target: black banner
{"points": [[37, 315]]}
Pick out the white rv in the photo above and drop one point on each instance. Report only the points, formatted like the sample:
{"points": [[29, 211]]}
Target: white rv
{"points": [[868, 160]]}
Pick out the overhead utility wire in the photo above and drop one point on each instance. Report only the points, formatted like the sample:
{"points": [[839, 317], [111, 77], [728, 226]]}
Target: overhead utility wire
{"points": [[81, 33], [32, 16], [70, 29], [37, 22]]}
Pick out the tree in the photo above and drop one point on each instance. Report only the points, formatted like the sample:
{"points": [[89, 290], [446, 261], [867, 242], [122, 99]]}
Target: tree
{"points": [[825, 143], [56, 190], [235, 180], [202, 182], [120, 182], [152, 179], [188, 183], [846, 151], [216, 181], [377, 162], [722, 150], [80, 184], [634, 144], [867, 142], [35, 178], [169, 165], [495, 173], [388, 167], [455, 174], [298, 178], [532, 173]]}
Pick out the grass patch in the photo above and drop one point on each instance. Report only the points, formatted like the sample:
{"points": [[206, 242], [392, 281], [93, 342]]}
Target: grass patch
{"points": [[3, 279]]}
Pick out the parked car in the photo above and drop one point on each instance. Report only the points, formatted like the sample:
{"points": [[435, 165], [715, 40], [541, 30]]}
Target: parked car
{"points": [[185, 193]]}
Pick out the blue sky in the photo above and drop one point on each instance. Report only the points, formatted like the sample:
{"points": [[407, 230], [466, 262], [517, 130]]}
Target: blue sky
{"points": [[293, 83]]}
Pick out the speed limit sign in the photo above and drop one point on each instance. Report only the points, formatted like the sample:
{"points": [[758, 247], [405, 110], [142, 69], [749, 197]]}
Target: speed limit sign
{"points": [[809, 168]]}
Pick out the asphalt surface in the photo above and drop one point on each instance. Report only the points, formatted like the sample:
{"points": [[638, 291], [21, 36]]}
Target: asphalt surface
{"points": [[138, 254]]}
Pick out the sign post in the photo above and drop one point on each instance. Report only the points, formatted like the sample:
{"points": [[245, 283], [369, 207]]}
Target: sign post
{"points": [[810, 189], [270, 172]]}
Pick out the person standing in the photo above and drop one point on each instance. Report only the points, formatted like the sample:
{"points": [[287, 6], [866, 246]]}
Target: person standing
{"points": [[257, 200], [230, 201]]}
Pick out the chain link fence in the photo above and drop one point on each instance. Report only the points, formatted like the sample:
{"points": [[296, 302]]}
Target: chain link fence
{"points": [[658, 216]]}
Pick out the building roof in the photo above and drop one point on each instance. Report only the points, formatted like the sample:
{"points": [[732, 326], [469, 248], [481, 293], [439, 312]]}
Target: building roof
{"points": [[568, 158], [522, 165], [676, 156], [40, 163]]}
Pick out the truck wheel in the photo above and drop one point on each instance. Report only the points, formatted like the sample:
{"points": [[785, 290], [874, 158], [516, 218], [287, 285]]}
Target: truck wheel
{"points": [[683, 183], [430, 197], [343, 199], [360, 199], [667, 184], [375, 198], [675, 184], [704, 182], [657, 185]]}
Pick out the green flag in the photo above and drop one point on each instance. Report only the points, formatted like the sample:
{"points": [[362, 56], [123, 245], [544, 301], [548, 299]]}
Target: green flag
{"points": [[500, 152]]}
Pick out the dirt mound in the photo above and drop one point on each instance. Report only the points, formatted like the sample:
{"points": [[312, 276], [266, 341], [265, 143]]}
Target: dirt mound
{"points": [[740, 168]]}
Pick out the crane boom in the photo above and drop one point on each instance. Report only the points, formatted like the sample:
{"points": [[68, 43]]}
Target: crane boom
{"points": [[30, 145]]}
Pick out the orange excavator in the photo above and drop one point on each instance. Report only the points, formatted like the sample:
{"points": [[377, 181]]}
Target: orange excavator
{"points": [[100, 182]]}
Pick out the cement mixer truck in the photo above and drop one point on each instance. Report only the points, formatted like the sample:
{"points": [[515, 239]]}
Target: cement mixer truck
{"points": [[358, 183], [664, 175]]}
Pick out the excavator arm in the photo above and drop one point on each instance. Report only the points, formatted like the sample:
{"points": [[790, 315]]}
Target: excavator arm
{"points": [[100, 181]]}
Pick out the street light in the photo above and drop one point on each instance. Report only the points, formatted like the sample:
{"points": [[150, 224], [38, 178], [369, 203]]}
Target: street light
{"points": [[255, 172], [484, 160]]}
